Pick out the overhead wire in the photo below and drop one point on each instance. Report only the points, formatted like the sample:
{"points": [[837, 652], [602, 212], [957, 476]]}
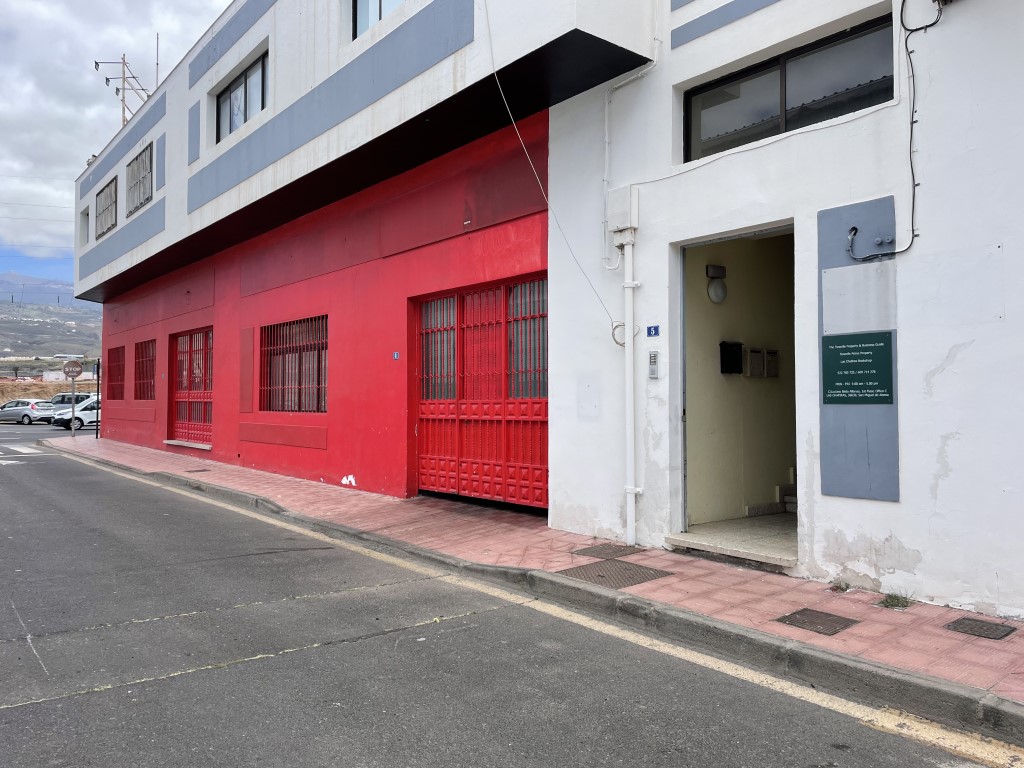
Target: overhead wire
{"points": [[909, 32], [38, 205], [536, 175]]}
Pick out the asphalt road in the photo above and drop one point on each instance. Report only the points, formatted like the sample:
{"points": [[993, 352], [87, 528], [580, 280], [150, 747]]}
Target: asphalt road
{"points": [[141, 627]]}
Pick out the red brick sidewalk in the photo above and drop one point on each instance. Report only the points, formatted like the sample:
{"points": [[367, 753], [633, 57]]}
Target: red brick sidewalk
{"points": [[912, 640]]}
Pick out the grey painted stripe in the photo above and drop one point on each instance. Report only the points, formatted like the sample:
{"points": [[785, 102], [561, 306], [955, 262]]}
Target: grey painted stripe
{"points": [[229, 34], [161, 160], [716, 19], [193, 133], [140, 228], [859, 444], [429, 37], [677, 4], [140, 126]]}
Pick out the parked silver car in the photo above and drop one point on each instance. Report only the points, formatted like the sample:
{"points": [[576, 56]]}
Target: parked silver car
{"points": [[27, 411]]}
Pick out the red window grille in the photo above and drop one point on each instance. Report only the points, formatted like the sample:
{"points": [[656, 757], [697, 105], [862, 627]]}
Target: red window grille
{"points": [[145, 370], [483, 394], [115, 373], [293, 366], [192, 415]]}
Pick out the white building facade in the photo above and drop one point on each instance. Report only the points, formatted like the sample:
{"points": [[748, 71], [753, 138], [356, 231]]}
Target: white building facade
{"points": [[779, 256], [911, 488]]}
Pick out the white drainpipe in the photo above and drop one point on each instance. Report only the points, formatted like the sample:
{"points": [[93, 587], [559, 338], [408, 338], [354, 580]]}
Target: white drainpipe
{"points": [[624, 242]]}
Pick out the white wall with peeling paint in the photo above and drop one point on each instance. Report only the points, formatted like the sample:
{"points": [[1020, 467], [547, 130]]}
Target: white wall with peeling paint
{"points": [[955, 535]]}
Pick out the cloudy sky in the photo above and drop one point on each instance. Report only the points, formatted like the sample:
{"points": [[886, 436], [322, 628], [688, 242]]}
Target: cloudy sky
{"points": [[56, 111]]}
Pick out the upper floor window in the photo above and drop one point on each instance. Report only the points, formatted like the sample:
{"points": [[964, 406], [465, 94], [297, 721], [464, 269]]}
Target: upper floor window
{"points": [[836, 76], [366, 13], [106, 208], [139, 181], [243, 99]]}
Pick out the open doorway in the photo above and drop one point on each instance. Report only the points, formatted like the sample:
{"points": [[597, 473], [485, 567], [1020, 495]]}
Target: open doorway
{"points": [[740, 401]]}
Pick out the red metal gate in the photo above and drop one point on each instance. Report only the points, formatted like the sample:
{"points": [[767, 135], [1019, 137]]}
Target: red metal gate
{"points": [[483, 409], [192, 396]]}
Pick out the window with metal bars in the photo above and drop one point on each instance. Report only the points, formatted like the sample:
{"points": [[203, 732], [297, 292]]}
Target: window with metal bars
{"points": [[293, 366], [139, 181], [528, 339], [106, 208], [437, 329], [145, 370], [115, 373]]}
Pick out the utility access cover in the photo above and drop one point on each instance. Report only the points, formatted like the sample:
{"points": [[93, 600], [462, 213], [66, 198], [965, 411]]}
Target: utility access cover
{"points": [[607, 551], [614, 574], [817, 621], [988, 629]]}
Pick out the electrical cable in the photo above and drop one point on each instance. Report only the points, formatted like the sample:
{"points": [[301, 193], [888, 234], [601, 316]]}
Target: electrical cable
{"points": [[913, 122], [38, 205], [39, 178], [24, 218], [59, 247], [540, 185]]}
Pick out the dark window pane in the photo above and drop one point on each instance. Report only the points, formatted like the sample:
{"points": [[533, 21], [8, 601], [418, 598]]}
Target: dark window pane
{"points": [[735, 114], [844, 77]]}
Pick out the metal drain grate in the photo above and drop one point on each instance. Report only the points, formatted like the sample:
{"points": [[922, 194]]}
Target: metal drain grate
{"points": [[817, 621], [607, 551], [987, 629], [193, 471], [614, 574]]}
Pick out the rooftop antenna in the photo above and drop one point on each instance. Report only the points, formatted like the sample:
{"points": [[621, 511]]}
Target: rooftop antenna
{"points": [[156, 82], [129, 82]]}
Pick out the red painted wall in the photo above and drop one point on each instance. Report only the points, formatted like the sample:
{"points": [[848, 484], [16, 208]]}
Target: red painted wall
{"points": [[473, 216]]}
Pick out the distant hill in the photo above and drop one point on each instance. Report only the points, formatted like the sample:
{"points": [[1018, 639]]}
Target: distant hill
{"points": [[40, 318], [25, 289]]}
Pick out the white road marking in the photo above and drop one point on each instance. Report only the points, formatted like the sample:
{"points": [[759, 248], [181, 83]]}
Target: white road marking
{"points": [[28, 639], [23, 449], [5, 463], [969, 746]]}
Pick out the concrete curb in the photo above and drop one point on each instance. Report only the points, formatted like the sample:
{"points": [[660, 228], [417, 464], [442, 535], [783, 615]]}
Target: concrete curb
{"points": [[866, 682]]}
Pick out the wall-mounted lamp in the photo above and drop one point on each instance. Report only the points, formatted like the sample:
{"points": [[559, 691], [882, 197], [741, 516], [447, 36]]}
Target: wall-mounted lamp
{"points": [[717, 290]]}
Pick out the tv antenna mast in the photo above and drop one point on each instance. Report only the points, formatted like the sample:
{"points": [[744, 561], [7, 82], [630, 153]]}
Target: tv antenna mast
{"points": [[129, 83]]}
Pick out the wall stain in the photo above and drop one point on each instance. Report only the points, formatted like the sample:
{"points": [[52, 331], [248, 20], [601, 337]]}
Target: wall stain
{"points": [[864, 560], [943, 469], [929, 378]]}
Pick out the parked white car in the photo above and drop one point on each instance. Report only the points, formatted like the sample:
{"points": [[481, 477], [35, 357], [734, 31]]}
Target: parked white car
{"points": [[87, 413]]}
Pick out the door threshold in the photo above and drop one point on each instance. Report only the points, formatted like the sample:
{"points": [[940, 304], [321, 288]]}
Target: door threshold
{"points": [[767, 539]]}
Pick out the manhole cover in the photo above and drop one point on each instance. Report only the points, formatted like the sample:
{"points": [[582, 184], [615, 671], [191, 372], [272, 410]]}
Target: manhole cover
{"points": [[614, 574], [989, 629], [608, 551], [817, 621]]}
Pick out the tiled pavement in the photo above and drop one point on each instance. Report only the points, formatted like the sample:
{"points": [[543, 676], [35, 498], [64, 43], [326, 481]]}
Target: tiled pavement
{"points": [[913, 640]]}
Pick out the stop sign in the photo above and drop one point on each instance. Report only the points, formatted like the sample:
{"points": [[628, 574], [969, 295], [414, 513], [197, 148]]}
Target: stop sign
{"points": [[72, 369]]}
